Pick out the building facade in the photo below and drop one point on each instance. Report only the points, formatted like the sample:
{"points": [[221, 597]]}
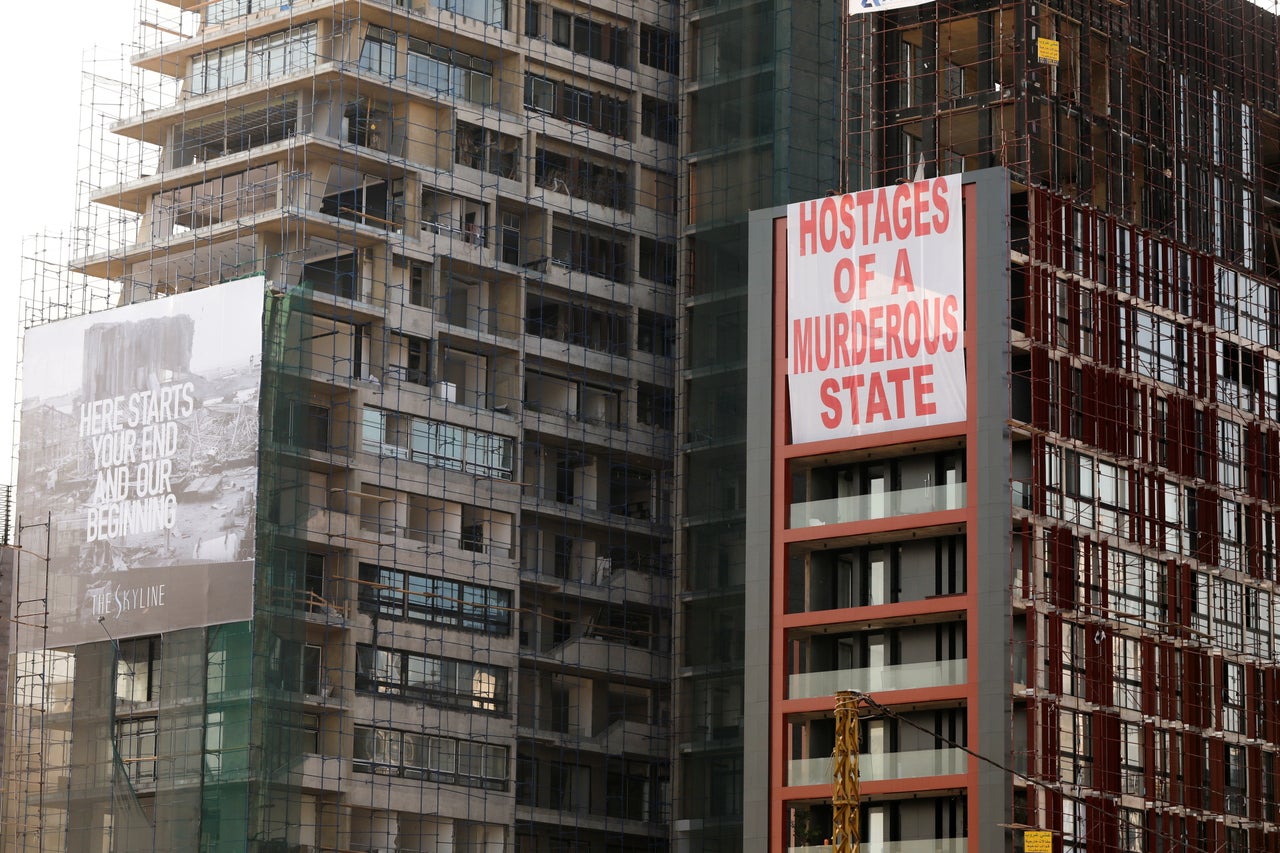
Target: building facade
{"points": [[533, 561], [1060, 607], [460, 531]]}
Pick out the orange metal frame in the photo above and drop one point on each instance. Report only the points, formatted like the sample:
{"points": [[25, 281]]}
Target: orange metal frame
{"points": [[782, 454]]}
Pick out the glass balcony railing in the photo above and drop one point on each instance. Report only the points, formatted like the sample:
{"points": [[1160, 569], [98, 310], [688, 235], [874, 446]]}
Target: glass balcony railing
{"points": [[882, 505], [911, 764], [906, 676], [921, 845]]}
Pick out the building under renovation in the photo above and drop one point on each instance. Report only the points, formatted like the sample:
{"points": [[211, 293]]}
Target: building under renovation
{"points": [[1059, 600], [435, 480]]}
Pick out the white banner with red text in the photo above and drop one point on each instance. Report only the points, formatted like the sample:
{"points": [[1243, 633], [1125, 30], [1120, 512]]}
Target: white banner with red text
{"points": [[875, 311]]}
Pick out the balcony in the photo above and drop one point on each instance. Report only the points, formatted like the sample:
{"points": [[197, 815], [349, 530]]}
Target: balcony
{"points": [[907, 676], [912, 764], [923, 845], [843, 510], [601, 655]]}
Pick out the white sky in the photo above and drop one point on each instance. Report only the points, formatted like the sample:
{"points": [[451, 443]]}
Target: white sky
{"points": [[41, 70]]}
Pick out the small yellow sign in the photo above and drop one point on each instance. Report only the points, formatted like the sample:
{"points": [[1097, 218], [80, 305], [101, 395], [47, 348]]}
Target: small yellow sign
{"points": [[1048, 51], [1038, 840]]}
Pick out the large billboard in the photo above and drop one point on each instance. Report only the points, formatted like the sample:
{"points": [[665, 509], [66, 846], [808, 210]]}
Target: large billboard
{"points": [[875, 310], [862, 7], [139, 444]]}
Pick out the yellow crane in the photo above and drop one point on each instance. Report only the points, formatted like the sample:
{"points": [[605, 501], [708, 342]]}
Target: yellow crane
{"points": [[846, 794]]}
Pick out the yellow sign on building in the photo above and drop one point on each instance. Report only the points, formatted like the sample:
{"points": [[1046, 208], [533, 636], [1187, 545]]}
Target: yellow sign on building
{"points": [[1047, 50], [1037, 840]]}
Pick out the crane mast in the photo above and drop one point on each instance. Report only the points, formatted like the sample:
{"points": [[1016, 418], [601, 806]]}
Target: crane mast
{"points": [[846, 792]]}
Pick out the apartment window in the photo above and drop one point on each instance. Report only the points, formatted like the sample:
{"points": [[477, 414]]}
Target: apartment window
{"points": [[489, 455], [658, 261], [1160, 430], [338, 276], [580, 325], [419, 756], [594, 253], [1240, 376], [482, 763], [136, 745], [1202, 593], [1131, 763], [417, 360], [487, 150], [221, 11], [1154, 582], [656, 334], [1113, 498], [1074, 484], [725, 787], [1075, 748], [437, 444], [138, 670], [597, 110], [378, 56], [420, 284], [217, 69], [312, 680], [1228, 614], [1230, 535], [532, 19], [450, 72], [303, 424], [539, 93], [1172, 517], [450, 682], [605, 42], [1127, 672], [1245, 306], [314, 588], [631, 626], [1131, 832], [1074, 655], [561, 28], [1158, 348], [588, 37], [1230, 452], [585, 177], [492, 12], [1161, 751], [655, 406], [399, 594], [575, 104], [659, 49], [1125, 581], [1257, 622], [366, 124], [1233, 697], [308, 733], [282, 53], [472, 536], [627, 790], [659, 120], [1237, 784], [236, 129], [1270, 803]]}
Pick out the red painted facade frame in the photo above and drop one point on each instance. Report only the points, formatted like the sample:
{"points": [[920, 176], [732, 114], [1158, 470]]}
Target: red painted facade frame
{"points": [[782, 453]]}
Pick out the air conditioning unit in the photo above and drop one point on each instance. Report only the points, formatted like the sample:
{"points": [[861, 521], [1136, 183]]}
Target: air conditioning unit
{"points": [[447, 391]]}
